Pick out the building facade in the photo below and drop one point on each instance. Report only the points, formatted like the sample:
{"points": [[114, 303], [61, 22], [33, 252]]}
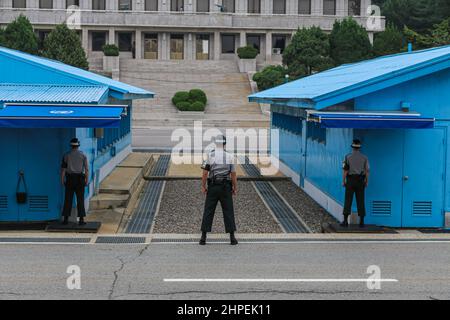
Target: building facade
{"points": [[188, 29]]}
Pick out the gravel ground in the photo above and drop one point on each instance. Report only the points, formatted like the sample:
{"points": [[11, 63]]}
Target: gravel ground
{"points": [[309, 210], [182, 204]]}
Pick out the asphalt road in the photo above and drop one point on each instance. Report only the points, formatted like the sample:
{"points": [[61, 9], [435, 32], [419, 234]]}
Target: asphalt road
{"points": [[139, 272]]}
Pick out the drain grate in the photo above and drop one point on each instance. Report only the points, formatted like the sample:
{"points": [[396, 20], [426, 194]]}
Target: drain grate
{"points": [[45, 240], [161, 166], [250, 169], [284, 214], [120, 240]]}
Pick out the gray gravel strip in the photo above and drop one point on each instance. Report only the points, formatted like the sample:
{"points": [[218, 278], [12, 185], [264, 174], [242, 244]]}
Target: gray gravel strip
{"points": [[182, 204], [309, 210]]}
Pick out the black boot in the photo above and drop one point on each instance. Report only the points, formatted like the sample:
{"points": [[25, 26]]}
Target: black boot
{"points": [[203, 239], [344, 223], [65, 221], [233, 240], [361, 222], [82, 222]]}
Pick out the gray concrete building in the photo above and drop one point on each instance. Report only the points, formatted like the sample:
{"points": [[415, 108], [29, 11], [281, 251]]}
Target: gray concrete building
{"points": [[188, 29]]}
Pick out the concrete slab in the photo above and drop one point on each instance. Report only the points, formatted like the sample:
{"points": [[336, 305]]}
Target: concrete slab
{"points": [[121, 181], [136, 160], [110, 219], [108, 201]]}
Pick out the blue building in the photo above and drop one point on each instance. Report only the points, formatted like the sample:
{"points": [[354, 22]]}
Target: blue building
{"points": [[399, 106], [43, 104]]}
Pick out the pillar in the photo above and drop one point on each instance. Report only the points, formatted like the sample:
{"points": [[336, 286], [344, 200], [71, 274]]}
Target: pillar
{"points": [[242, 39], [138, 44], [216, 45], [269, 46]]}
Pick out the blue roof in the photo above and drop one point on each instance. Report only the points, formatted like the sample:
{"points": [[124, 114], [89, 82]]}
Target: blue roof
{"points": [[126, 91], [350, 81], [47, 93]]}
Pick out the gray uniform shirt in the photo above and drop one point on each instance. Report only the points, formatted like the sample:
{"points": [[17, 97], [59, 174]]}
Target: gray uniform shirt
{"points": [[222, 164], [75, 162], [356, 163]]}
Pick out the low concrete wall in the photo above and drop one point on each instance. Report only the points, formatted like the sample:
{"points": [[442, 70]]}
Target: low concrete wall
{"points": [[247, 65], [111, 64]]}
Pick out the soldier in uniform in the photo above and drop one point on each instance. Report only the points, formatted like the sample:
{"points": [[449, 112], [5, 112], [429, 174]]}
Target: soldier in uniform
{"points": [[75, 177], [219, 183], [355, 180]]}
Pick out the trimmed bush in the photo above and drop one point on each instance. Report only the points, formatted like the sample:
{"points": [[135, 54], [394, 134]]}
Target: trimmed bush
{"points": [[111, 50], [198, 95], [197, 106], [183, 105], [181, 96], [269, 77], [247, 52]]}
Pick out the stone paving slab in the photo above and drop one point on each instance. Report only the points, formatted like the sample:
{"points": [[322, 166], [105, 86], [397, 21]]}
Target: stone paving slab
{"points": [[121, 181], [137, 160]]}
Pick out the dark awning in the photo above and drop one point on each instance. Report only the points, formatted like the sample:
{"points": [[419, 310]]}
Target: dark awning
{"points": [[61, 116], [371, 120]]}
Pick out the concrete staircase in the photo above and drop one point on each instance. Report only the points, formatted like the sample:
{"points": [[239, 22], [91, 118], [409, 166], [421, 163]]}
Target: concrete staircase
{"points": [[226, 88]]}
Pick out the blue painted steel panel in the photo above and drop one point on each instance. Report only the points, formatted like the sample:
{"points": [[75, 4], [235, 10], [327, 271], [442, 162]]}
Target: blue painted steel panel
{"points": [[9, 146], [58, 116], [51, 93]]}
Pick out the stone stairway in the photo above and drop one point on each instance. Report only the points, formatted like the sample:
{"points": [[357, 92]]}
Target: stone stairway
{"points": [[226, 88]]}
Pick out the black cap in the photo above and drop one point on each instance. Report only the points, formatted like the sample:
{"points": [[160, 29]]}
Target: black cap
{"points": [[75, 142], [356, 144]]}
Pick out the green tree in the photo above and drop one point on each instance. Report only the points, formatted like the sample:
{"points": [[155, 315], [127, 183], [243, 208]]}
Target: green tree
{"points": [[269, 77], [388, 42], [19, 35], [438, 36], [441, 33], [349, 42], [308, 52], [2, 37], [64, 44]]}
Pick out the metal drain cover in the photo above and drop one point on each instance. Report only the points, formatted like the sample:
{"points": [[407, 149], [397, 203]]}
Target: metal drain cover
{"points": [[120, 240], [45, 240]]}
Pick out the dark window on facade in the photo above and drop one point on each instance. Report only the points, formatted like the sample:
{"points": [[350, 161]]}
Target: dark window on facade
{"points": [[177, 5], [45, 4], [202, 5], [42, 35], [125, 41], [279, 6], [125, 5], [354, 7], [151, 5], [329, 7], [254, 41], [254, 6], [279, 43], [304, 6], [98, 40], [70, 3], [316, 133], [98, 4], [228, 6], [228, 43], [19, 4]]}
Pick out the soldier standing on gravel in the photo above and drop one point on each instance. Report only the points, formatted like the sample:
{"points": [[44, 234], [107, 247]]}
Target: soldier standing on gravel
{"points": [[219, 183]]}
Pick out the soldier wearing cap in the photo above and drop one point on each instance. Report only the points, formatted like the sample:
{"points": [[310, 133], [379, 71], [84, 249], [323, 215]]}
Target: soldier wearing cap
{"points": [[355, 180], [219, 183], [75, 177]]}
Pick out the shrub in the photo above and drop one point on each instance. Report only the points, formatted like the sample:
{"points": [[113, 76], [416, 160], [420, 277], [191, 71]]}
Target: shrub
{"points": [[181, 96], [111, 50], [198, 95], [19, 35], [197, 106], [247, 52], [183, 105], [269, 77]]}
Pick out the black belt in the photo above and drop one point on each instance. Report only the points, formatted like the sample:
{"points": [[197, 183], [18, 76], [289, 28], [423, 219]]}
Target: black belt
{"points": [[75, 174], [218, 181]]}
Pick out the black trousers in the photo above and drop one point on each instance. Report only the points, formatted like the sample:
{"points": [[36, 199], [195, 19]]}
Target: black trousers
{"points": [[355, 186], [75, 184], [219, 192]]}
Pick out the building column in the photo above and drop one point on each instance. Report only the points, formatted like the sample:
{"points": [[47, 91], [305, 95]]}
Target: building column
{"points": [[112, 36], [365, 4], [341, 5], [216, 45], [6, 3], [85, 39], [138, 44], [317, 7], [242, 39], [269, 46], [85, 5]]}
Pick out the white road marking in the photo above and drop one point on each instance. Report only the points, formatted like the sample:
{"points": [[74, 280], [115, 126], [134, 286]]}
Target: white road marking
{"points": [[281, 280]]}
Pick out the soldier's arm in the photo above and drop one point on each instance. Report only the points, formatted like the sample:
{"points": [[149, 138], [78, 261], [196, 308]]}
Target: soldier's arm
{"points": [[345, 168], [367, 173], [234, 182], [63, 170], [204, 181], [86, 170]]}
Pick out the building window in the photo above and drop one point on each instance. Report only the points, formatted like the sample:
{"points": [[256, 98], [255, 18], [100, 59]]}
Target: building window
{"points": [[316, 133], [279, 6], [278, 43], [254, 6], [98, 40], [329, 7], [70, 3], [254, 41], [177, 47], [228, 6], [151, 5], [304, 6], [177, 5], [202, 5], [19, 4], [125, 5], [228, 43], [150, 46], [125, 41], [98, 4], [42, 35], [202, 47], [45, 4], [354, 7]]}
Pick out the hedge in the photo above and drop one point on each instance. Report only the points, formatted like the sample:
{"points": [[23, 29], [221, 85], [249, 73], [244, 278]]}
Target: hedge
{"points": [[194, 100], [247, 52], [110, 50]]}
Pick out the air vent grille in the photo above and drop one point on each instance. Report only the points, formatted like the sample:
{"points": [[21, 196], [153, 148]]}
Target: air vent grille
{"points": [[3, 203], [383, 208], [38, 204], [422, 208]]}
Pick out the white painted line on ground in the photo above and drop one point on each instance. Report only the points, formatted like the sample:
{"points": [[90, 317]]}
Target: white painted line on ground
{"points": [[281, 280], [314, 242]]}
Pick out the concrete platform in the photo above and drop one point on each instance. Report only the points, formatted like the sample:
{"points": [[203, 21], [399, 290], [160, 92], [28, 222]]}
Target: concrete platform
{"points": [[354, 228], [123, 180], [110, 219], [90, 227], [108, 201], [137, 160]]}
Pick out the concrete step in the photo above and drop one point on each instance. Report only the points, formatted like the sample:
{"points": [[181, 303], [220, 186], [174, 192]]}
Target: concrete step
{"points": [[104, 201], [121, 181], [175, 66]]}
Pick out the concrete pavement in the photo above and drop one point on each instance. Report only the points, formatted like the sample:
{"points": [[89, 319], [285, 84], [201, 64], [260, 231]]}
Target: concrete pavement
{"points": [[138, 272]]}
